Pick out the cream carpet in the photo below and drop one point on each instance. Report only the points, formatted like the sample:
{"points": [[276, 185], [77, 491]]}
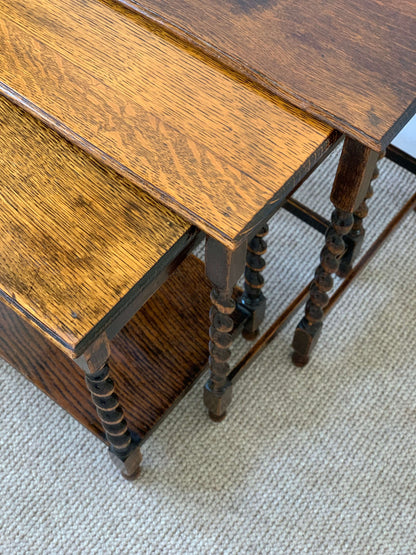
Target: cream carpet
{"points": [[313, 460]]}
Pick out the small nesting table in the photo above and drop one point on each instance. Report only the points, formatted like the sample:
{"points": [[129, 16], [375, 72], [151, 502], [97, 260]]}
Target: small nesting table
{"points": [[217, 151], [350, 63], [76, 264]]}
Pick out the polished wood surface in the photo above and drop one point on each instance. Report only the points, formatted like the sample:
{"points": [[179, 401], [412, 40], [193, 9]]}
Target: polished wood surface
{"points": [[78, 241], [205, 142], [154, 360], [351, 63]]}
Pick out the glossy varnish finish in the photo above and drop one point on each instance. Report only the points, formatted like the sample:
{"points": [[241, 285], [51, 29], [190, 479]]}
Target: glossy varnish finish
{"points": [[78, 242], [208, 144], [154, 360], [352, 63]]}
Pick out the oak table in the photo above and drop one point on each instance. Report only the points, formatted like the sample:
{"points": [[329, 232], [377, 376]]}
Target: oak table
{"points": [[350, 63], [211, 146], [77, 262]]}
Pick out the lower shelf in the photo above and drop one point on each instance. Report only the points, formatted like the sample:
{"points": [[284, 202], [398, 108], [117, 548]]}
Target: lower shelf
{"points": [[154, 360]]}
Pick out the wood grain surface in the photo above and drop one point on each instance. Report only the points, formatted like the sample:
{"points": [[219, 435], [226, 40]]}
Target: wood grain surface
{"points": [[212, 146], [352, 63], [76, 238], [154, 360]]}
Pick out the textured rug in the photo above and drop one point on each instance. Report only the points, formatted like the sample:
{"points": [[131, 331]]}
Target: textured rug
{"points": [[313, 460]]}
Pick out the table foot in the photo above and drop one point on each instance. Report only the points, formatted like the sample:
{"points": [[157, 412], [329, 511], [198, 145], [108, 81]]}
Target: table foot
{"points": [[216, 418], [299, 360], [129, 465], [250, 335]]}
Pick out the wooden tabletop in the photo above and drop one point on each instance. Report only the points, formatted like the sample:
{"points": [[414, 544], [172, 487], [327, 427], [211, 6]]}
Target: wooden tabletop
{"points": [[352, 63], [208, 144], [78, 242]]}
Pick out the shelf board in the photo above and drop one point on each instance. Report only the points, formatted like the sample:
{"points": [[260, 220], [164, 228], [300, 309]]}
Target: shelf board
{"points": [[155, 359]]}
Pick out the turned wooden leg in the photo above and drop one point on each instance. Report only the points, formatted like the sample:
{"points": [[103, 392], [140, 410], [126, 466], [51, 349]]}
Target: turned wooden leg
{"points": [[309, 328], [354, 239], [355, 170], [223, 268], [253, 298], [123, 447]]}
